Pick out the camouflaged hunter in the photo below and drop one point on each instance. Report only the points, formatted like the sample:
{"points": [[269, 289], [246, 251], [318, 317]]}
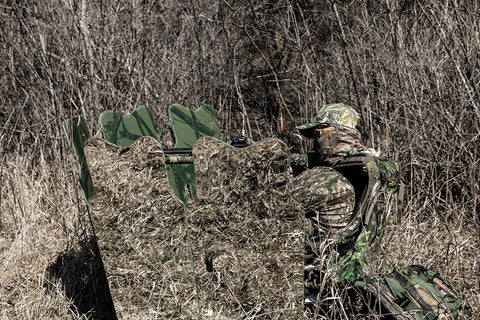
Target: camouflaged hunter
{"points": [[345, 190]]}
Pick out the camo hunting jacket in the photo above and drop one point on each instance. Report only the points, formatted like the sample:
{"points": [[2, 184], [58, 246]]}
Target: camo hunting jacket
{"points": [[345, 205]]}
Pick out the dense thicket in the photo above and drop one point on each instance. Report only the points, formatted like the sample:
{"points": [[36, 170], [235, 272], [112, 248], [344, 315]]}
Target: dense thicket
{"points": [[410, 67]]}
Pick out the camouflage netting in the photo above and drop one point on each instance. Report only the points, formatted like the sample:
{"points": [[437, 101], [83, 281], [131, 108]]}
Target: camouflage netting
{"points": [[247, 231], [140, 230], [243, 218]]}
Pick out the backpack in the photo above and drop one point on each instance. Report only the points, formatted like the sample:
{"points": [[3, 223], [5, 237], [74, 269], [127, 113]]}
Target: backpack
{"points": [[417, 293]]}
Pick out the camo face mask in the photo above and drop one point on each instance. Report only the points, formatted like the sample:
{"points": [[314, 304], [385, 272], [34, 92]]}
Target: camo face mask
{"points": [[331, 139]]}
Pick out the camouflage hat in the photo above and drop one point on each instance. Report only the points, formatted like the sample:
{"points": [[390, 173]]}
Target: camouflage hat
{"points": [[337, 113]]}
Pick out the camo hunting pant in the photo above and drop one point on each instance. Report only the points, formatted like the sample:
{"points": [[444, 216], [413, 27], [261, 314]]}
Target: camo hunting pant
{"points": [[328, 199]]}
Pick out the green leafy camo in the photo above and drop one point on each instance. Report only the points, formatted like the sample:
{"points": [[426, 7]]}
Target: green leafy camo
{"points": [[351, 265]]}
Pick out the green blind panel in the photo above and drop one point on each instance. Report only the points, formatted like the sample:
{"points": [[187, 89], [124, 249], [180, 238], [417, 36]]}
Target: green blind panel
{"points": [[122, 130], [188, 127], [77, 134]]}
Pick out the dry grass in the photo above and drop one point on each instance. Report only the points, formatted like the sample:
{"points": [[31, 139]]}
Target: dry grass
{"points": [[411, 67], [39, 221]]}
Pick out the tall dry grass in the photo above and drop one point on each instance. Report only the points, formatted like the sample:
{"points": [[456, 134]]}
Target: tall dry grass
{"points": [[411, 68]]}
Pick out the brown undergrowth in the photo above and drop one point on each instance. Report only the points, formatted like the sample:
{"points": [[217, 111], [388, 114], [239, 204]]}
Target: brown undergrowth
{"points": [[146, 262]]}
